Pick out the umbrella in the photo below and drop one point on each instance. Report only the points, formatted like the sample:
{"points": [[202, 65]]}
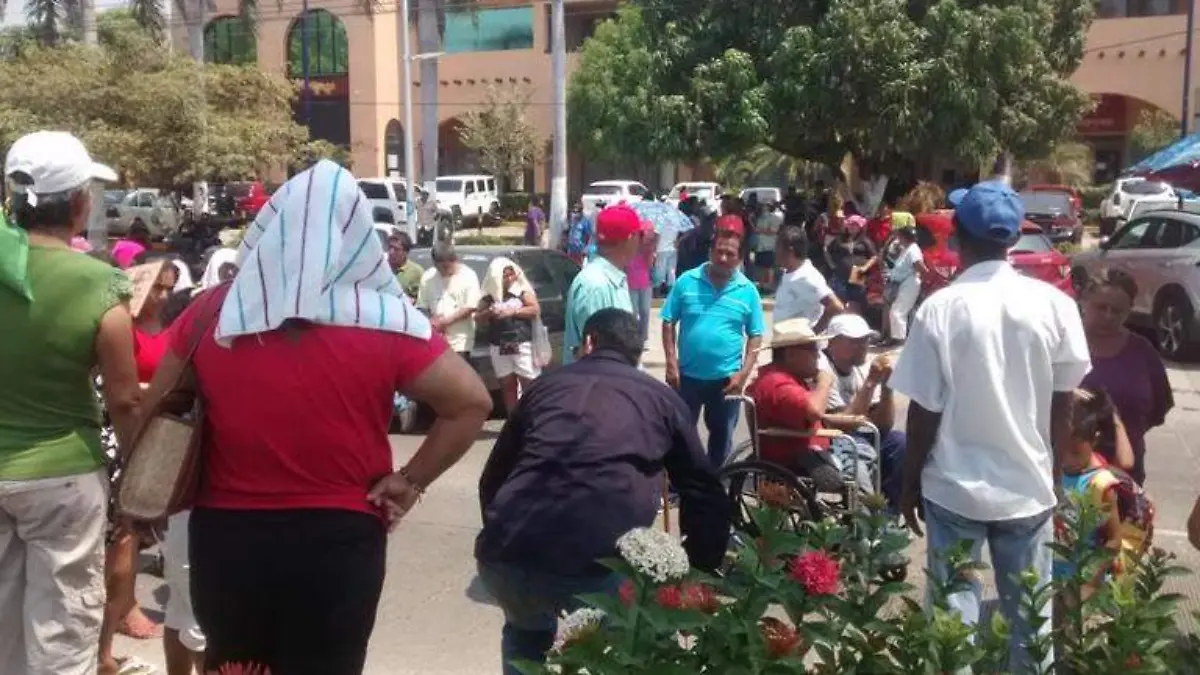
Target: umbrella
{"points": [[667, 220]]}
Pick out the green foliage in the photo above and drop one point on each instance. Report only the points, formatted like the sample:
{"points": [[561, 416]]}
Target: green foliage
{"points": [[763, 162], [815, 79], [1155, 130], [317, 149], [1093, 195], [514, 205], [161, 119], [501, 134], [1068, 163], [769, 613]]}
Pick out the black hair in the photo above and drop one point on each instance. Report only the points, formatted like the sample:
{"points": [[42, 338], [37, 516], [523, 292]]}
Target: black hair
{"points": [[615, 330], [1092, 420], [793, 239], [1112, 278], [139, 229], [444, 252], [977, 247], [51, 210], [403, 240]]}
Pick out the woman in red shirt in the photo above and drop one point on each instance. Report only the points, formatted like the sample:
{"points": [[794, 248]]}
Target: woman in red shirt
{"points": [[297, 361]]}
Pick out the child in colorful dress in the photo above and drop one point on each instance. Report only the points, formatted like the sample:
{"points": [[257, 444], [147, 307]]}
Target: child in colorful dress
{"points": [[1129, 526]]}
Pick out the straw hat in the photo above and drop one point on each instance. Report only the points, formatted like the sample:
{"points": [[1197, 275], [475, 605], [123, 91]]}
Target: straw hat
{"points": [[793, 332]]}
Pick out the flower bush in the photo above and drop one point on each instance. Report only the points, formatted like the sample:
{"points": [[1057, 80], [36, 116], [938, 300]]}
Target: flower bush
{"points": [[814, 601]]}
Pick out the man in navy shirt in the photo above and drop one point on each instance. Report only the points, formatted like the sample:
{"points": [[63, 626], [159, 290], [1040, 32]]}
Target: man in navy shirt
{"points": [[564, 482]]}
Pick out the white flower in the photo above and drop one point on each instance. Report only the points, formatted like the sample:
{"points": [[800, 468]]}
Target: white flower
{"points": [[575, 624], [654, 553]]}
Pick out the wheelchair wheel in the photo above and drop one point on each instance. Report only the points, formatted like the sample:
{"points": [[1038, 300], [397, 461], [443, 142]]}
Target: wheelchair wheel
{"points": [[752, 484]]}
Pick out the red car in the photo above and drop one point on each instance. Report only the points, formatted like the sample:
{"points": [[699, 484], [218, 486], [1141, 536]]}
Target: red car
{"points": [[1076, 196], [249, 197], [1033, 255]]}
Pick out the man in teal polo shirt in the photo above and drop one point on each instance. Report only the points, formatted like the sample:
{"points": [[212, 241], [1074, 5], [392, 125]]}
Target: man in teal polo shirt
{"points": [[720, 325], [602, 283]]}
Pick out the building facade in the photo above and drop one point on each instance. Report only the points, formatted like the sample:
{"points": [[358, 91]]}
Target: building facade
{"points": [[1133, 62]]}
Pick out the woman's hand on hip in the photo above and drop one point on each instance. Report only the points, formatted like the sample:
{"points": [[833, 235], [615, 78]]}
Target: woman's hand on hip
{"points": [[394, 495]]}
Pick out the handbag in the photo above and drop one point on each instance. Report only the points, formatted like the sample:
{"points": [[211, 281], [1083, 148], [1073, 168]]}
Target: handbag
{"points": [[162, 470]]}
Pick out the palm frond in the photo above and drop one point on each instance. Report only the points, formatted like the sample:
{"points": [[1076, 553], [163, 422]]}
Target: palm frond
{"points": [[47, 18], [151, 15], [1069, 163]]}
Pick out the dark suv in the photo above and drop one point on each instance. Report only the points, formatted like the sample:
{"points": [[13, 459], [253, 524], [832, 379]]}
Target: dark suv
{"points": [[549, 272]]}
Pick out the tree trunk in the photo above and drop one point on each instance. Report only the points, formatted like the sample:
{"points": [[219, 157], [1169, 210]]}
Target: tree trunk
{"points": [[1002, 169], [87, 9]]}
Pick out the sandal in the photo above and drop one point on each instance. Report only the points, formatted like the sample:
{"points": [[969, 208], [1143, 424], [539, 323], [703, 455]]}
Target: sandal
{"points": [[132, 665]]}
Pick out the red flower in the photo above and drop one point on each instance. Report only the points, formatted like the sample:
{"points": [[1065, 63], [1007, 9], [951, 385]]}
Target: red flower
{"points": [[781, 638], [1134, 661], [627, 592], [817, 572], [700, 597], [670, 597]]}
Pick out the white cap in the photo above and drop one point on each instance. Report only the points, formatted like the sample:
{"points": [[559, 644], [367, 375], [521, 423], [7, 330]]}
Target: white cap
{"points": [[56, 162], [850, 326]]}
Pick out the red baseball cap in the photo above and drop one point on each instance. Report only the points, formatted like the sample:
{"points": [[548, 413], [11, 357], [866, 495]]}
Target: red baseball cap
{"points": [[617, 223], [731, 223]]}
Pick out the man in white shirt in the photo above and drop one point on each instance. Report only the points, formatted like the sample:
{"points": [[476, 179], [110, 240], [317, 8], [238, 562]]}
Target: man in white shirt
{"points": [[990, 365], [766, 231], [450, 294], [862, 389], [803, 291]]}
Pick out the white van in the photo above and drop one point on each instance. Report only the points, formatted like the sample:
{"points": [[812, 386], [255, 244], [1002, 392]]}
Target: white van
{"points": [[389, 193], [468, 198]]}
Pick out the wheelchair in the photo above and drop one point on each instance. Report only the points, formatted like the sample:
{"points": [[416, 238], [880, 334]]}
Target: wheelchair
{"points": [[747, 478]]}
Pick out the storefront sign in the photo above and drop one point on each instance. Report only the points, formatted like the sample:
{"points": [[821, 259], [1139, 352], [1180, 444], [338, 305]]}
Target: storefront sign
{"points": [[325, 87], [1109, 116]]}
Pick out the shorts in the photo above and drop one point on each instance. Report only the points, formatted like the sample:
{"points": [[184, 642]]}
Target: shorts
{"points": [[765, 258], [177, 574], [521, 364]]}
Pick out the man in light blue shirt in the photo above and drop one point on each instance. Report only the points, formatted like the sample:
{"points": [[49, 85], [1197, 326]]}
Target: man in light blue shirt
{"points": [[602, 283], [712, 330]]}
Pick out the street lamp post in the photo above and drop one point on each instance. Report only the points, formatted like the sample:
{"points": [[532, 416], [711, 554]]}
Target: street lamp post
{"points": [[1187, 66], [410, 166]]}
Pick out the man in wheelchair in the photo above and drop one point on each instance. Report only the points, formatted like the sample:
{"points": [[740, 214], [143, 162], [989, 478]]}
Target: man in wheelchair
{"points": [[862, 391], [791, 396]]}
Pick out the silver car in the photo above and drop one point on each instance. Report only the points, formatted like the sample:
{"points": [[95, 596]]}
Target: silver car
{"points": [[1161, 251]]}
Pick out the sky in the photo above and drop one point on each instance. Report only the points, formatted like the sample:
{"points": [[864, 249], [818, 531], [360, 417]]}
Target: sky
{"points": [[14, 15]]}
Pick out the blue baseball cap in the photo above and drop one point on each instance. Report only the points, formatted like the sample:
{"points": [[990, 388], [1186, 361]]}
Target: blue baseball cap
{"points": [[991, 211], [955, 197]]}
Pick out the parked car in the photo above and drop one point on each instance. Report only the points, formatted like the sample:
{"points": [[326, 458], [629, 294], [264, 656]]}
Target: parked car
{"points": [[389, 193], [710, 193], [549, 272], [1056, 213], [1161, 251], [468, 198], [248, 197], [612, 192], [155, 209], [1117, 206], [766, 195], [1033, 254], [1076, 195]]}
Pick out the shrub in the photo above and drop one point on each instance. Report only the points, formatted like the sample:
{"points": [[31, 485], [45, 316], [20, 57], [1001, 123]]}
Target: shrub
{"points": [[514, 205], [1092, 196], [813, 601]]}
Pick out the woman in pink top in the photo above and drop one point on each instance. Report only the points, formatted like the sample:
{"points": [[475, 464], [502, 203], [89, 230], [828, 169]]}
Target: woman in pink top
{"points": [[641, 286], [125, 251]]}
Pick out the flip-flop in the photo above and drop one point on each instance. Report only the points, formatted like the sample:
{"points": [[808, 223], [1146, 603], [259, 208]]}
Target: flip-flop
{"points": [[132, 665]]}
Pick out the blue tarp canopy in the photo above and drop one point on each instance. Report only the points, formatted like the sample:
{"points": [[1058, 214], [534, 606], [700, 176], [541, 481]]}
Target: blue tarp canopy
{"points": [[1184, 151]]}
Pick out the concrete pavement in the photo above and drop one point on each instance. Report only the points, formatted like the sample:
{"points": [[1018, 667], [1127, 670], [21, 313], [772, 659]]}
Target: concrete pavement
{"points": [[434, 619]]}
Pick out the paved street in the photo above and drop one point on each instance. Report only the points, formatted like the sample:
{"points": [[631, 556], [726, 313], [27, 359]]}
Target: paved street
{"points": [[435, 620]]}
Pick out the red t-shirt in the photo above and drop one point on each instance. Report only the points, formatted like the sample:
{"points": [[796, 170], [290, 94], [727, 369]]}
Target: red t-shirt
{"points": [[299, 420], [781, 401], [148, 351]]}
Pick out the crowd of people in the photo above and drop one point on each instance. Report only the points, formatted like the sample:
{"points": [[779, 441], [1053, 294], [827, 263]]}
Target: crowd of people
{"points": [[299, 340]]}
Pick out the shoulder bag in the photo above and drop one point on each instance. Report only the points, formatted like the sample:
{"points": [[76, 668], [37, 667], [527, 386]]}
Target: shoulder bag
{"points": [[162, 470]]}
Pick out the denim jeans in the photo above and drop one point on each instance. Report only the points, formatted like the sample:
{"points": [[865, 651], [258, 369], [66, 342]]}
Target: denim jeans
{"points": [[664, 267], [1015, 545], [532, 602], [640, 298], [891, 451], [720, 416]]}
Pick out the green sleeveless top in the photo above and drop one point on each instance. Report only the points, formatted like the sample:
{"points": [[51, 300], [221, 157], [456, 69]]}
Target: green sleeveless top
{"points": [[49, 419]]}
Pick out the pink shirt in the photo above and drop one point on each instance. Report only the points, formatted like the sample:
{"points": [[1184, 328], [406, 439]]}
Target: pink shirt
{"points": [[125, 251], [638, 270]]}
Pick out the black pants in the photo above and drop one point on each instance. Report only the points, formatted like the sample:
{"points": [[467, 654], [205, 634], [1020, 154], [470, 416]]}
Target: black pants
{"points": [[820, 468], [292, 590]]}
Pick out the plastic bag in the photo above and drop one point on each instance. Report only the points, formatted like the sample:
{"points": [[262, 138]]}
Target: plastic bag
{"points": [[542, 352]]}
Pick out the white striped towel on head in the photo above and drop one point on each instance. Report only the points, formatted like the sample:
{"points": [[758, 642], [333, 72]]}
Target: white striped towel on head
{"points": [[312, 253]]}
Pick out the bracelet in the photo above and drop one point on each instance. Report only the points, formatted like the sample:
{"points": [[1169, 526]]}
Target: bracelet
{"points": [[403, 471]]}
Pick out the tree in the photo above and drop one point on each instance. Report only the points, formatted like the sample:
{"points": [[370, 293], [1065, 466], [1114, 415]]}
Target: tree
{"points": [[137, 106], [883, 80], [765, 163], [1155, 130], [1068, 163], [501, 134]]}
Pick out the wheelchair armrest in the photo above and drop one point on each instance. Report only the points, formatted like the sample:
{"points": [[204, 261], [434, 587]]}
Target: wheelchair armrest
{"points": [[778, 432]]}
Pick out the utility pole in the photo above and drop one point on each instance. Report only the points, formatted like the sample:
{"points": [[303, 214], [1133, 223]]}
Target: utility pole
{"points": [[558, 66], [1187, 68], [429, 40], [410, 168], [306, 92]]}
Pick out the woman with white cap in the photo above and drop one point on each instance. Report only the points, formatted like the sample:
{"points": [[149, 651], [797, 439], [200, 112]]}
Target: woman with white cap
{"points": [[312, 339], [64, 316]]}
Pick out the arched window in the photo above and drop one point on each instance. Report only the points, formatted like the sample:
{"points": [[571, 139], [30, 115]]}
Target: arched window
{"points": [[328, 48], [228, 39]]}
